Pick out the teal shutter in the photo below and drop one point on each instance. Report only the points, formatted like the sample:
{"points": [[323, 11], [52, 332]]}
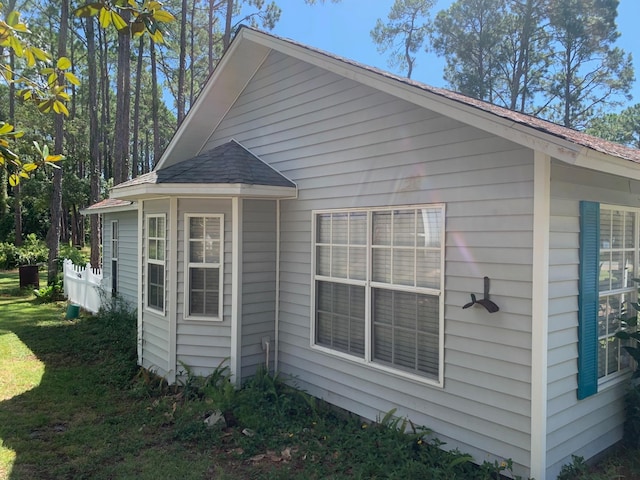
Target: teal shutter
{"points": [[589, 272]]}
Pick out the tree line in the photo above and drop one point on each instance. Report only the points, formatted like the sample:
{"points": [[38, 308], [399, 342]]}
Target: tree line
{"points": [[128, 91], [554, 59]]}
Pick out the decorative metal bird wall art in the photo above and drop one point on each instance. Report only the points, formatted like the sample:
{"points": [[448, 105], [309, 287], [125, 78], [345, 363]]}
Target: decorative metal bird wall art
{"points": [[485, 302]]}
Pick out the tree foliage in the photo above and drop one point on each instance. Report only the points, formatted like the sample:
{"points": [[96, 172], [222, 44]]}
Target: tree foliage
{"points": [[404, 34]]}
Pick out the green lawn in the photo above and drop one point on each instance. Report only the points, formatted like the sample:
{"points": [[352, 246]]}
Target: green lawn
{"points": [[74, 405]]}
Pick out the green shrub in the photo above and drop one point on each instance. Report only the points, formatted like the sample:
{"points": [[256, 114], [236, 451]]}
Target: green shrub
{"points": [[32, 251], [8, 256], [76, 256]]}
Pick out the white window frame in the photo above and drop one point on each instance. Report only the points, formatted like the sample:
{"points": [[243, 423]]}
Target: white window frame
{"points": [[154, 261], [631, 292], [367, 359], [115, 247], [188, 265]]}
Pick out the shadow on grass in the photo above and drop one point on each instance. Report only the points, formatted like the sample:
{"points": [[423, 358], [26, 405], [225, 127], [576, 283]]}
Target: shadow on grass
{"points": [[80, 420]]}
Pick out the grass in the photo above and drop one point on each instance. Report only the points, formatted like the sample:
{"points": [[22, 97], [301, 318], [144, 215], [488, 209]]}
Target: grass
{"points": [[74, 405]]}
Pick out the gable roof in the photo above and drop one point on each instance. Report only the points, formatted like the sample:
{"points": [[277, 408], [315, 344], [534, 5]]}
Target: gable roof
{"points": [[226, 168], [251, 47]]}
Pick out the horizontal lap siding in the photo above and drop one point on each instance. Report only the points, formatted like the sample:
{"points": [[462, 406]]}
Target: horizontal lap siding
{"points": [[127, 253], [346, 145], [203, 345], [581, 427], [258, 283], [155, 327]]}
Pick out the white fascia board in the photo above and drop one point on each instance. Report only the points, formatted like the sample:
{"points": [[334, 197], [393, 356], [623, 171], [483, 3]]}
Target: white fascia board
{"points": [[204, 190]]}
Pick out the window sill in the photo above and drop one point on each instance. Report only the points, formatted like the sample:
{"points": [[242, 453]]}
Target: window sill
{"points": [[615, 379], [194, 319], [377, 367]]}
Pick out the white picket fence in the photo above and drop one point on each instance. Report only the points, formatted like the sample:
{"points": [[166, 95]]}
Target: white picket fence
{"points": [[83, 286]]}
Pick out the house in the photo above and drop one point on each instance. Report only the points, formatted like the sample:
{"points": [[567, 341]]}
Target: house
{"points": [[332, 220]]}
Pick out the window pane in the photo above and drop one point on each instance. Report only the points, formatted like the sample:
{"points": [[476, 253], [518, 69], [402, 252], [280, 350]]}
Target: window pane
{"points": [[383, 306], [357, 263], [404, 349], [428, 268], [197, 279], [153, 227], [629, 271], [602, 358], [616, 270], [212, 228], [382, 228], [617, 229], [605, 228], [153, 249], [196, 302], [381, 265], [382, 343], [429, 227], [212, 280], [403, 267], [196, 251], [429, 351], [160, 250], [629, 229], [339, 262], [323, 228], [323, 258], [340, 229], [358, 228], [196, 228], [612, 353], [340, 317], [428, 309], [404, 228], [404, 310], [160, 227]]}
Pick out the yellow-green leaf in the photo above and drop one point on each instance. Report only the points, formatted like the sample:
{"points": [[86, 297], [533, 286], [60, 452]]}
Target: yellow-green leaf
{"points": [[89, 10], [13, 18], [63, 96], [28, 167], [24, 175], [40, 54], [157, 36], [14, 180], [16, 45], [31, 59], [63, 63], [71, 78], [105, 17], [21, 27], [54, 158], [118, 21], [60, 107], [5, 128], [45, 151], [163, 16], [45, 107]]}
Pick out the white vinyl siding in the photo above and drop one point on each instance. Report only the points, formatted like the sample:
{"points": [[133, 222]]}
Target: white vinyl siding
{"points": [[347, 145], [202, 345], [377, 296], [155, 266], [204, 243], [127, 254]]}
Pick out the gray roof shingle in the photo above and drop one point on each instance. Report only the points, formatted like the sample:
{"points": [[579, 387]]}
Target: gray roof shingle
{"points": [[229, 163]]}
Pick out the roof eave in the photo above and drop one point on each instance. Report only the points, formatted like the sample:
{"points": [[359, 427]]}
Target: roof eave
{"points": [[139, 192]]}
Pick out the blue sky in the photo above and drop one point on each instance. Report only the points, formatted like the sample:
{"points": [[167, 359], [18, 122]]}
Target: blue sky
{"points": [[343, 29]]}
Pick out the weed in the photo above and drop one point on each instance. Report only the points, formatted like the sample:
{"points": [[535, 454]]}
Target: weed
{"points": [[576, 470]]}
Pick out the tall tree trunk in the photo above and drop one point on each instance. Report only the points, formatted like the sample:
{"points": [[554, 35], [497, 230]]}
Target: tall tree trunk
{"points": [[211, 22], [226, 39], [105, 112], [53, 236], [136, 111], [17, 197], [123, 106], [180, 100], [94, 144], [155, 105]]}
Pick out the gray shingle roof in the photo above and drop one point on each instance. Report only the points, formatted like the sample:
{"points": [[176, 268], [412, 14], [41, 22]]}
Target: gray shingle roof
{"points": [[229, 163]]}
